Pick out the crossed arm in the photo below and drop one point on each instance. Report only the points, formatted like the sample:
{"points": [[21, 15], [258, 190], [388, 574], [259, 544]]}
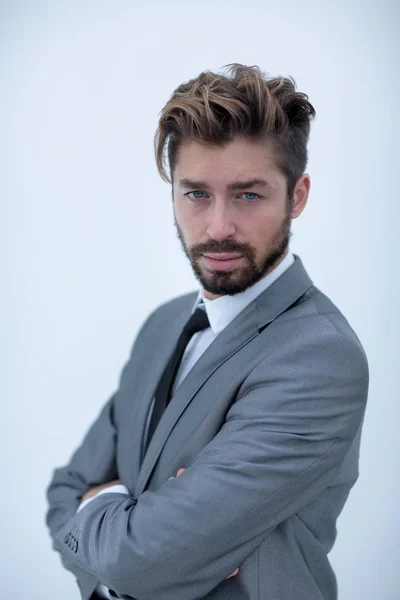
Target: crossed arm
{"points": [[92, 492], [283, 440]]}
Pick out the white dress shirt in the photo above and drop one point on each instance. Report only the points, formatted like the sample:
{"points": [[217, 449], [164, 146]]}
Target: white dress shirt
{"points": [[220, 311]]}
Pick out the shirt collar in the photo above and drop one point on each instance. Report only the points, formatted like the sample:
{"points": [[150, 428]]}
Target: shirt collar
{"points": [[223, 310]]}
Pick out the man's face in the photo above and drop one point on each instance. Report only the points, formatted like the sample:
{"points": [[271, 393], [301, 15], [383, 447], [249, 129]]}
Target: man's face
{"points": [[251, 221]]}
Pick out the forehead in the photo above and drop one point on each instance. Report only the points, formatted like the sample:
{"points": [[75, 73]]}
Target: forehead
{"points": [[236, 160]]}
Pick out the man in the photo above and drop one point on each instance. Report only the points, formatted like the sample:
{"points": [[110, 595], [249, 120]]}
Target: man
{"points": [[219, 467]]}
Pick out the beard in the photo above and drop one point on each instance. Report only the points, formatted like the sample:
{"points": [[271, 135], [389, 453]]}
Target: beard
{"points": [[237, 280]]}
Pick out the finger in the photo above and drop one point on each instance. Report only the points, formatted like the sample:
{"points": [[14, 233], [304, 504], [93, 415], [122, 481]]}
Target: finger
{"points": [[235, 572], [180, 471]]}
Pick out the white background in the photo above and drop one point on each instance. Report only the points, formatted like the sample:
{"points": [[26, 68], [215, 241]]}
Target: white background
{"points": [[90, 247]]}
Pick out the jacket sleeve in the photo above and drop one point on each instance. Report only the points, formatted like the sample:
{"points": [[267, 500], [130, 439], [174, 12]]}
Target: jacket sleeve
{"points": [[92, 463], [283, 440]]}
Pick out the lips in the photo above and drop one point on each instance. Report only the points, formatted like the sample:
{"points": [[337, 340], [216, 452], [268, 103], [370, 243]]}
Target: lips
{"points": [[223, 256], [229, 262]]}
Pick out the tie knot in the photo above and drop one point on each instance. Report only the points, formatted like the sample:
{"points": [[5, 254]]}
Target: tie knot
{"points": [[197, 322]]}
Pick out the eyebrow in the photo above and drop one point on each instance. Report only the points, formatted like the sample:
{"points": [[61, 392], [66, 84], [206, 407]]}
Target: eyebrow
{"points": [[236, 185]]}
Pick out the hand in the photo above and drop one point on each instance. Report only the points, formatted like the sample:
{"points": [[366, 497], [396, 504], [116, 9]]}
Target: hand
{"points": [[94, 490], [236, 571]]}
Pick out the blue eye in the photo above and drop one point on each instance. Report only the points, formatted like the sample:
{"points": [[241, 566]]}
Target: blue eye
{"points": [[255, 196], [195, 192], [251, 194]]}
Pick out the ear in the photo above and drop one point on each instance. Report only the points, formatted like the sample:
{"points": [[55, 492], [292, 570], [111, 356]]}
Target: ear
{"points": [[300, 195]]}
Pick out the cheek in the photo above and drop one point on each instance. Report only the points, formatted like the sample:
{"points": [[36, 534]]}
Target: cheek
{"points": [[260, 230], [258, 224], [181, 218], [182, 212], [268, 220], [192, 225]]}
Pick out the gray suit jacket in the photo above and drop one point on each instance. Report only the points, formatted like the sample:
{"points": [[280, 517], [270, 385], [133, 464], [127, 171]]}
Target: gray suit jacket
{"points": [[267, 425]]}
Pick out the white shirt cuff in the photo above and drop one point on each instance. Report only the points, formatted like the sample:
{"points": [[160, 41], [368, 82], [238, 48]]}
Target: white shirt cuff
{"points": [[118, 488]]}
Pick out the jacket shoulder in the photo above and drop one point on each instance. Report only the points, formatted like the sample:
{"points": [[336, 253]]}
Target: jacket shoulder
{"points": [[314, 310]]}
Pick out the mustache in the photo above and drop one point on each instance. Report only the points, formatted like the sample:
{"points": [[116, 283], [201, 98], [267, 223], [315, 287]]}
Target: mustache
{"points": [[215, 248]]}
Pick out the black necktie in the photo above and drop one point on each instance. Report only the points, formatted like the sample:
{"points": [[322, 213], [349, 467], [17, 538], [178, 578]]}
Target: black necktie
{"points": [[197, 322]]}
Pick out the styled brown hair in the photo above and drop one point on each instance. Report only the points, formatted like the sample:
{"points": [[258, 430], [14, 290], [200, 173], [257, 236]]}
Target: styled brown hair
{"points": [[215, 109]]}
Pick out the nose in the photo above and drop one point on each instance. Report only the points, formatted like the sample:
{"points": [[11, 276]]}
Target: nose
{"points": [[220, 224]]}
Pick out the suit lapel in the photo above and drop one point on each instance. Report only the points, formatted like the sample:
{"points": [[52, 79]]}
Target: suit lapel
{"points": [[145, 386], [292, 284]]}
